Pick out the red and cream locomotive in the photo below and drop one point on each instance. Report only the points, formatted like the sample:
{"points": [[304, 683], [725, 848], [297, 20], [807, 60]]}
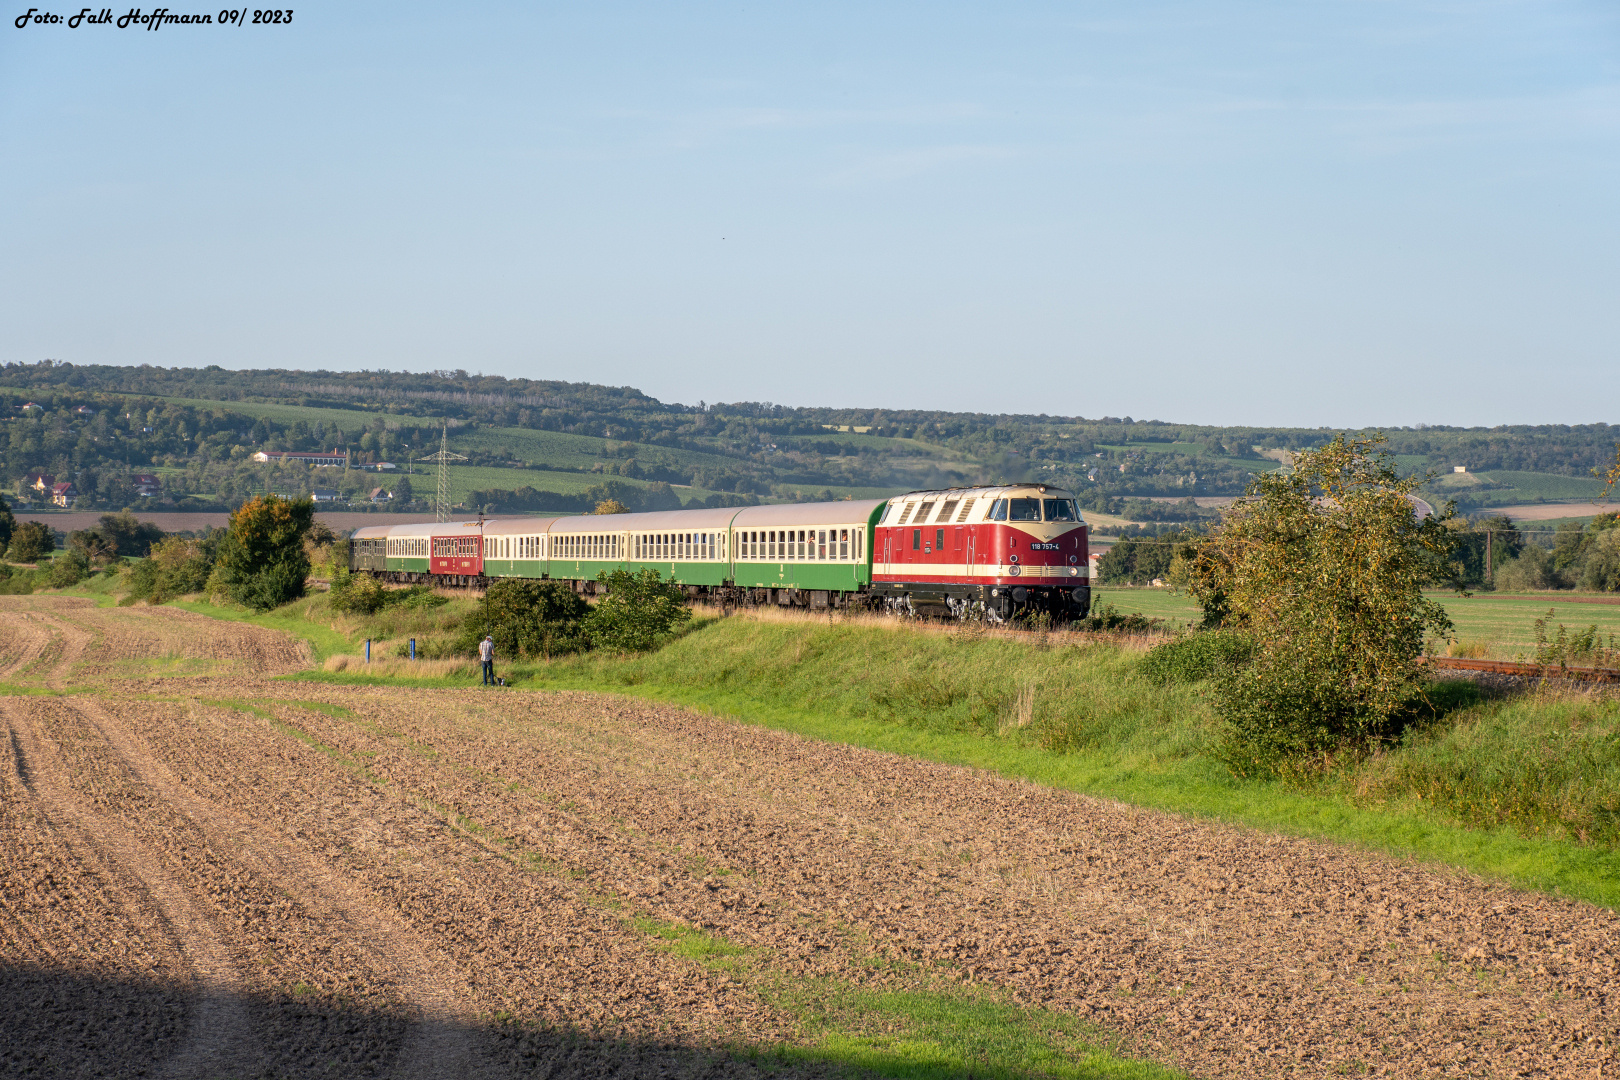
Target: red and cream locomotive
{"points": [[1003, 550]]}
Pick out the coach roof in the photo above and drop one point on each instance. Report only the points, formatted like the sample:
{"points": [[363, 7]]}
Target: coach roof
{"points": [[852, 512], [662, 521]]}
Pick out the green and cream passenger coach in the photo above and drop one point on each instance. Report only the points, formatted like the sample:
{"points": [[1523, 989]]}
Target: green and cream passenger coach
{"points": [[1004, 549]]}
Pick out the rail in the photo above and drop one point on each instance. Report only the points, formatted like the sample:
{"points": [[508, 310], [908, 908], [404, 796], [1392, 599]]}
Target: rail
{"points": [[1531, 671]]}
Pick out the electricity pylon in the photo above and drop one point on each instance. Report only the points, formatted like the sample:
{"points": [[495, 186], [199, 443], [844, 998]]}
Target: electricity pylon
{"points": [[444, 457]]}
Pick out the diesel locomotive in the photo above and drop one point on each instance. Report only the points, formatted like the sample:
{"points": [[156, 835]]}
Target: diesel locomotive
{"points": [[1002, 551]]}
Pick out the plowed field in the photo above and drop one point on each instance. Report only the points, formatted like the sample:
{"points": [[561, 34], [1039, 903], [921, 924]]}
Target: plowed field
{"points": [[208, 872]]}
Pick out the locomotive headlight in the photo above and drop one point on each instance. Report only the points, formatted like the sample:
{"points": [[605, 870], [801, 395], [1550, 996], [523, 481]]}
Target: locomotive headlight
{"points": [[1074, 571]]}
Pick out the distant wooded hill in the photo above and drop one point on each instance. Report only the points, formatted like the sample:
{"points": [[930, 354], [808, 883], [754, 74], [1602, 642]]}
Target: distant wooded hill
{"points": [[197, 428]]}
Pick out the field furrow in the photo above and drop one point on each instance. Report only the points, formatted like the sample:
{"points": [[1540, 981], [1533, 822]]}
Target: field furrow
{"points": [[274, 878]]}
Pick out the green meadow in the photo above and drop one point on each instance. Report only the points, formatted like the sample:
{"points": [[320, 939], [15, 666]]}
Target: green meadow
{"points": [[1504, 624]]}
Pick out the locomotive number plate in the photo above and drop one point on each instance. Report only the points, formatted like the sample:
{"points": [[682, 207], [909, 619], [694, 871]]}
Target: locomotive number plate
{"points": [[1043, 547]]}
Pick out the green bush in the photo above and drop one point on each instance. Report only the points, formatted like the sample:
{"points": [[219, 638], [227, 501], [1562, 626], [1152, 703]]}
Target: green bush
{"points": [[357, 594], [68, 569], [140, 579], [526, 618], [1108, 618], [177, 566], [1323, 567], [1602, 570], [21, 583], [1197, 656], [31, 540], [262, 563], [637, 613], [362, 594]]}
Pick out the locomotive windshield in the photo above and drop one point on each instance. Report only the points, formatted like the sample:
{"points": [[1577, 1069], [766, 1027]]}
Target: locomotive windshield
{"points": [[1024, 509], [1060, 510]]}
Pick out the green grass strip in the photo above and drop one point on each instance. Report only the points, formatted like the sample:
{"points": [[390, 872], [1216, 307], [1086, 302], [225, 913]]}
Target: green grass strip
{"points": [[948, 1035]]}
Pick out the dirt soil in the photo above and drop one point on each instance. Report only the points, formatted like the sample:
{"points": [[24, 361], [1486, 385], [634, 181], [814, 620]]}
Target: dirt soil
{"points": [[223, 874]]}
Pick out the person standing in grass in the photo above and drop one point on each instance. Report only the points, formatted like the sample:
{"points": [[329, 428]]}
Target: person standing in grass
{"points": [[486, 659]]}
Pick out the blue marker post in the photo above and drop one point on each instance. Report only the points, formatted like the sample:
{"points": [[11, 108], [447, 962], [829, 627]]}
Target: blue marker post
{"points": [[413, 648], [368, 650]]}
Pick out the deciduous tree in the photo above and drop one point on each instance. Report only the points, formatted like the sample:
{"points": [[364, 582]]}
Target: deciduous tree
{"points": [[1323, 566], [262, 562]]}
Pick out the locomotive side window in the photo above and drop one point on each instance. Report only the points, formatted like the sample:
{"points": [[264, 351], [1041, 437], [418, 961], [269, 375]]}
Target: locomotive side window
{"points": [[1024, 510], [916, 539], [998, 511], [939, 539]]}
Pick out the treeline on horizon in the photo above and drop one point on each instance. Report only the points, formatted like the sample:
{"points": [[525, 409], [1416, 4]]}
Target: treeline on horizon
{"points": [[770, 450]]}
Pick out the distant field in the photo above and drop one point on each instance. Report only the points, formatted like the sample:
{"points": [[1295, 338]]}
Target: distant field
{"points": [[465, 479], [1251, 464], [1176, 608], [1523, 487], [1506, 623], [1554, 514], [347, 419], [563, 448]]}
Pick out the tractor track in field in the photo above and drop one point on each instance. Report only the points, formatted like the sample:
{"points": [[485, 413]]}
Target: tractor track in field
{"points": [[269, 878]]}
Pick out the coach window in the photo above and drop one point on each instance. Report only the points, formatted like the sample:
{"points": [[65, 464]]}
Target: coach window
{"points": [[798, 544], [1024, 510], [860, 536], [843, 544]]}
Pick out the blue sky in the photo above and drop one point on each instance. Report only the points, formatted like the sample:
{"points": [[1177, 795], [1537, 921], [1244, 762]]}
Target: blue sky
{"points": [[1334, 213]]}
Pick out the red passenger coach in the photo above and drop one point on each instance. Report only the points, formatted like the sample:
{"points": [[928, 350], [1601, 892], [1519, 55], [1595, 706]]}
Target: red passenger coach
{"points": [[1009, 549], [457, 554]]}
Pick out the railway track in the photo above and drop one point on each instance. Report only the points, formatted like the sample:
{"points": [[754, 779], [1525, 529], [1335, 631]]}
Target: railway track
{"points": [[1529, 671]]}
